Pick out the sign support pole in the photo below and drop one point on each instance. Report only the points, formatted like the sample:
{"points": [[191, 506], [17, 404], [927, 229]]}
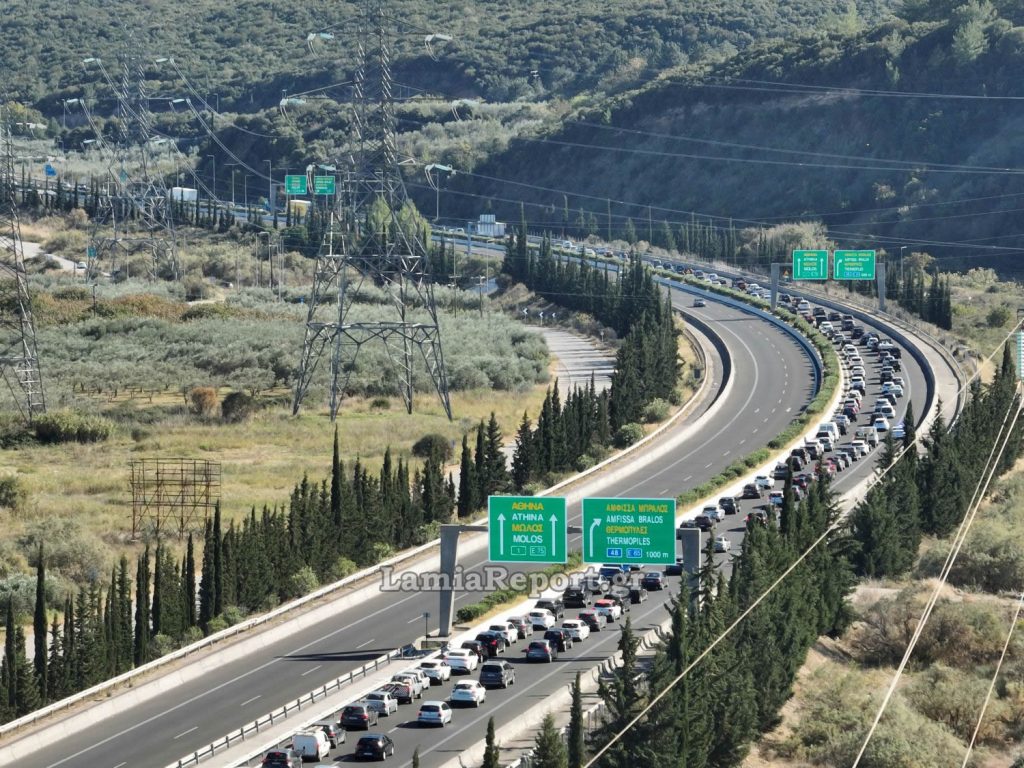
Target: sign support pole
{"points": [[775, 285], [880, 276]]}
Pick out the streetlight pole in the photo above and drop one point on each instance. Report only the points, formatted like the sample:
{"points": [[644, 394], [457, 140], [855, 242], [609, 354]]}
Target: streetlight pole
{"points": [[270, 184], [214, 158], [902, 249]]}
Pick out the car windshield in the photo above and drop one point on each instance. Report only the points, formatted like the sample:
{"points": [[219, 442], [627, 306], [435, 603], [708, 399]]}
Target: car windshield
{"points": [[429, 664], [430, 708]]}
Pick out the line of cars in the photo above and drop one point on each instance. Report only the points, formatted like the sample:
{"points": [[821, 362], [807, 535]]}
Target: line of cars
{"points": [[605, 595]]}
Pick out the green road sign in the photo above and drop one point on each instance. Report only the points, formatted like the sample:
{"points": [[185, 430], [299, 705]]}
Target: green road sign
{"points": [[295, 185], [629, 531], [810, 265], [1020, 354], [323, 185], [90, 251], [527, 529], [854, 265]]}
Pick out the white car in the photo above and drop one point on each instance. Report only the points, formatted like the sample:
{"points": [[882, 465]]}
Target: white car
{"points": [[576, 629], [382, 701], [434, 713], [608, 609], [861, 447], [894, 389], [469, 692], [506, 628], [881, 424], [855, 360], [764, 481], [715, 512], [541, 619], [857, 370], [438, 670], [415, 674], [462, 659], [722, 544]]}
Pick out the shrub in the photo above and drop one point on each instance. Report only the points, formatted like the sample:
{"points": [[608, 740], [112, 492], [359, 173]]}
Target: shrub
{"points": [[434, 444], [71, 550], [161, 645], [234, 614], [300, 583], [237, 407], [656, 410], [12, 493], [203, 400], [342, 568], [953, 698], [380, 404], [71, 426], [628, 434], [998, 317], [217, 624], [375, 553]]}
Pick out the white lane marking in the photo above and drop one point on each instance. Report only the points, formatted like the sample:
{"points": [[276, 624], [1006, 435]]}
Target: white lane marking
{"points": [[395, 729], [708, 466], [119, 765], [308, 671], [363, 645], [726, 453], [414, 618], [250, 701], [743, 441], [186, 733], [688, 477]]}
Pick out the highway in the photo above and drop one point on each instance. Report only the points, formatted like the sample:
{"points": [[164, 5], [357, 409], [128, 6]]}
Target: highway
{"points": [[536, 681], [773, 382]]}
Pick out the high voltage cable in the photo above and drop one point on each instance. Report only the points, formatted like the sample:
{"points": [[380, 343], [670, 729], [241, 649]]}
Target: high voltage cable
{"points": [[915, 164], [995, 677], [961, 535], [771, 588], [842, 90]]}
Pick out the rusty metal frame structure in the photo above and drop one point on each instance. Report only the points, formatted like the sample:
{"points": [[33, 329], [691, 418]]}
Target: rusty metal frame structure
{"points": [[172, 492]]}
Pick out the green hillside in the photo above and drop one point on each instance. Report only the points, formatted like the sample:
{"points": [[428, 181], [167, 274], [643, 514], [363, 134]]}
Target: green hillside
{"points": [[246, 52], [830, 126]]}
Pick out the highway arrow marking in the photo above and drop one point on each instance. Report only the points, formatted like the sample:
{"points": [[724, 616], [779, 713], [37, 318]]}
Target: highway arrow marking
{"points": [[590, 535], [554, 537], [501, 533]]}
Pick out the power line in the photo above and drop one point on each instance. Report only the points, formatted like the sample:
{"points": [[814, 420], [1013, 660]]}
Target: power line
{"points": [[980, 490], [771, 588]]}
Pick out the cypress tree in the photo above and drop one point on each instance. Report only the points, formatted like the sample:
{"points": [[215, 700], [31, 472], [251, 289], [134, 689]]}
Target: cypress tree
{"points": [[549, 751], [523, 462], [121, 618], [10, 659], [577, 751], [141, 645], [497, 467], [188, 584], [39, 626], [491, 753], [56, 685], [27, 695], [218, 563], [206, 589], [468, 501]]}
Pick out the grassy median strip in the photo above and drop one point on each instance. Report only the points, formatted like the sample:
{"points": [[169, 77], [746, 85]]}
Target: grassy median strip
{"points": [[829, 383], [508, 595]]}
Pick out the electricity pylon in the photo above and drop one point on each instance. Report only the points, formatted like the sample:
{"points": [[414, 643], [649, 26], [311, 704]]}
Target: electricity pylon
{"points": [[19, 360], [377, 240]]}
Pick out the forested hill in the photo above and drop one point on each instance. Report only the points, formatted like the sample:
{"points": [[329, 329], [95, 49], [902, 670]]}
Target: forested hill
{"points": [[248, 51], [831, 126]]}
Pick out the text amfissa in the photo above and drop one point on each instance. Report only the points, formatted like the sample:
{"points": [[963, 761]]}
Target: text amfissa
{"points": [[632, 528]]}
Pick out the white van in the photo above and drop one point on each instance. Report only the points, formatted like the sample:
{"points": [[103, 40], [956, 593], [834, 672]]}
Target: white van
{"points": [[868, 435], [312, 745], [831, 428]]}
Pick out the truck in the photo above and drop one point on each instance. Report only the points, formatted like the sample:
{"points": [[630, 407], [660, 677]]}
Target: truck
{"points": [[183, 194]]}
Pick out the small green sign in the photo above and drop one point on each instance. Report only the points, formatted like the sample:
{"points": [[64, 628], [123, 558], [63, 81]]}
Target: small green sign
{"points": [[323, 185], [90, 251], [629, 531], [854, 265], [295, 185], [527, 529], [810, 265]]}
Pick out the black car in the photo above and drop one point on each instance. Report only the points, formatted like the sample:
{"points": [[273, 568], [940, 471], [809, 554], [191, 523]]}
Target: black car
{"points": [[492, 642], [576, 597], [730, 504], [560, 639], [703, 522], [675, 569], [619, 596], [374, 746], [637, 595], [751, 491], [554, 604], [357, 717], [282, 758], [653, 581], [476, 647], [592, 620]]}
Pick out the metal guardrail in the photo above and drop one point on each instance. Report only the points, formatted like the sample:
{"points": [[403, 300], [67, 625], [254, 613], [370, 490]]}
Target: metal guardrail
{"points": [[272, 718]]}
